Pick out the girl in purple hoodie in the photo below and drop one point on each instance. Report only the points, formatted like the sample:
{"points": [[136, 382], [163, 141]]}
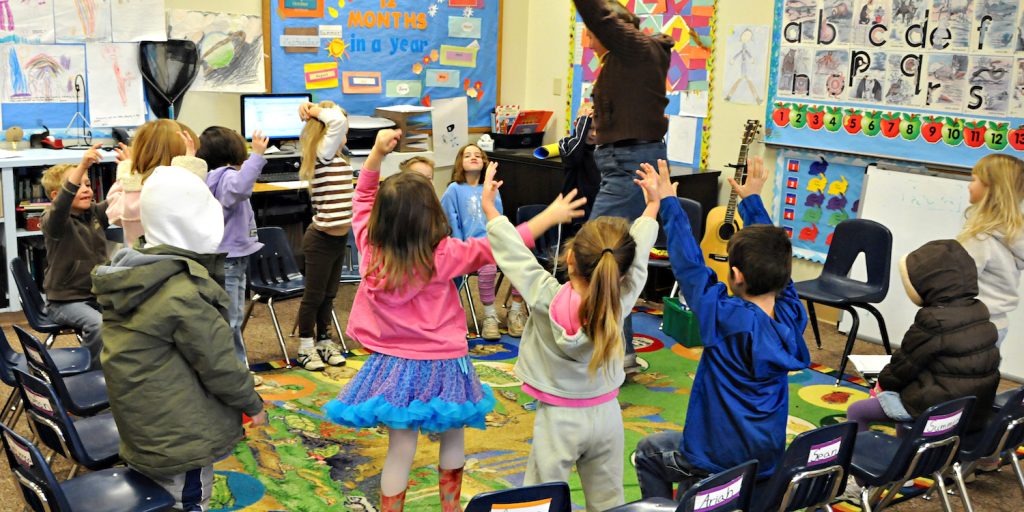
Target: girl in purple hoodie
{"points": [[231, 179]]}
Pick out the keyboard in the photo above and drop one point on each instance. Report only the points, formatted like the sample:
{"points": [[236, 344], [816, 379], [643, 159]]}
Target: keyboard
{"points": [[275, 177]]}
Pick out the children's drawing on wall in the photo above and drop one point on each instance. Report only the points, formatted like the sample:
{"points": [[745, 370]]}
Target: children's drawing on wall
{"points": [[800, 19], [830, 71], [78, 21], [989, 84], [995, 23], [136, 22], [946, 75], [450, 124], [794, 71], [26, 21], [956, 16], [900, 82], [230, 49], [42, 73], [868, 14], [115, 85], [904, 14], [838, 21], [747, 48], [1017, 102], [869, 84]]}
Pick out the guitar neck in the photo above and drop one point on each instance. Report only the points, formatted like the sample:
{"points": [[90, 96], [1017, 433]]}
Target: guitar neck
{"points": [[741, 176]]}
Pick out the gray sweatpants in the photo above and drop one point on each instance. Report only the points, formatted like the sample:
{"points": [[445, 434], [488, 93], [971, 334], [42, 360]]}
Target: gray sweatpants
{"points": [[191, 489], [84, 316], [589, 437]]}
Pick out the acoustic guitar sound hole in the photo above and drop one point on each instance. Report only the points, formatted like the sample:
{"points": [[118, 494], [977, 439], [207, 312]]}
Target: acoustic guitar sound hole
{"points": [[726, 231]]}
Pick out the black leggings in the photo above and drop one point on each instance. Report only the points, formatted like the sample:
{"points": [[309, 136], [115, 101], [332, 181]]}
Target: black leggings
{"points": [[324, 255]]}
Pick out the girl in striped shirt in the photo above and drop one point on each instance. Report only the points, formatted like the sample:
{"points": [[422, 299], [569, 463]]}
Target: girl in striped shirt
{"points": [[330, 188]]}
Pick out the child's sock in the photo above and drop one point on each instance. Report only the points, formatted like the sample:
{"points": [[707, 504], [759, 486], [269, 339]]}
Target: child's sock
{"points": [[489, 310], [516, 306], [305, 344]]}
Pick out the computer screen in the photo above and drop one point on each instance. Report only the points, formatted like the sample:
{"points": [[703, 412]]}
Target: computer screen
{"points": [[277, 115]]}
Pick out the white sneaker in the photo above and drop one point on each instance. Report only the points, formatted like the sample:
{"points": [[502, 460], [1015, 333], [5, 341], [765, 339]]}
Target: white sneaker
{"points": [[256, 379], [489, 329], [516, 321], [330, 353], [310, 360]]}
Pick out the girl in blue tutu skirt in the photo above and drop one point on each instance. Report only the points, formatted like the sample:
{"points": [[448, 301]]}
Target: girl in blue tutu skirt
{"points": [[407, 312]]}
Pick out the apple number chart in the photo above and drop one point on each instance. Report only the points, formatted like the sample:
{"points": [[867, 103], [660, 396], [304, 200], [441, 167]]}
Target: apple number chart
{"points": [[933, 81]]}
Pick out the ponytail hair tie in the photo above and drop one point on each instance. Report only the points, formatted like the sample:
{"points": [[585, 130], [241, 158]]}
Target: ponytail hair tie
{"points": [[608, 250]]}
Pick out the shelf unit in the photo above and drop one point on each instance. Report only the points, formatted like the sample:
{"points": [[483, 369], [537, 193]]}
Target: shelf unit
{"points": [[11, 233]]}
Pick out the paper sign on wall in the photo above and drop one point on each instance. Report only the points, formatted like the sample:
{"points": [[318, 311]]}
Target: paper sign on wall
{"points": [[442, 77], [361, 82], [330, 31], [459, 26], [682, 135], [462, 56], [321, 75], [299, 41], [404, 88]]}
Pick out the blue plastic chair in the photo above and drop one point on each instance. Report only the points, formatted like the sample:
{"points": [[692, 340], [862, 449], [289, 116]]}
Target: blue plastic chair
{"points": [[69, 361], [835, 288], [91, 442], [1000, 438], [884, 463], [813, 470], [34, 306], [557, 492], [107, 490], [728, 491], [84, 394]]}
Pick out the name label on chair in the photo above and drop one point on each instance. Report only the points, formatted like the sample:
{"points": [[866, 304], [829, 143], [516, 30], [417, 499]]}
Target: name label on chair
{"points": [[39, 402], [938, 425], [714, 498], [20, 452], [824, 452]]}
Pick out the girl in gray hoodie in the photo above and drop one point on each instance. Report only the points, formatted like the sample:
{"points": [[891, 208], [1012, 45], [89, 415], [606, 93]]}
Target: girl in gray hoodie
{"points": [[570, 357], [994, 234]]}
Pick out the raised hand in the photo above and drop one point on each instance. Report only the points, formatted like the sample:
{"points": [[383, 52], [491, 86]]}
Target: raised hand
{"points": [[565, 208], [123, 151], [387, 141], [259, 142], [490, 192], [655, 184], [91, 156], [309, 110], [757, 175], [190, 145]]}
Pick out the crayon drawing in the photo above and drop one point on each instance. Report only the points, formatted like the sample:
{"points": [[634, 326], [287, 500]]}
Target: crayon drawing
{"points": [[26, 21], [115, 85], [43, 73], [77, 21], [230, 49]]}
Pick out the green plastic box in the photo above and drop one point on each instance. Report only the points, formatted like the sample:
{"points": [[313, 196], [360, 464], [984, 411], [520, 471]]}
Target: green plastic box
{"points": [[680, 323]]}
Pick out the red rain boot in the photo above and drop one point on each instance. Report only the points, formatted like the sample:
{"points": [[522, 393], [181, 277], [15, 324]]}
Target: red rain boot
{"points": [[392, 503], [450, 487]]}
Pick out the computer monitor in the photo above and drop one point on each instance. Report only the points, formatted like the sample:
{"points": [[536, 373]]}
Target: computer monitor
{"points": [[277, 115]]}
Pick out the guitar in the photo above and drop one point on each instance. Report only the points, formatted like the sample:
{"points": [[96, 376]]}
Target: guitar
{"points": [[722, 222]]}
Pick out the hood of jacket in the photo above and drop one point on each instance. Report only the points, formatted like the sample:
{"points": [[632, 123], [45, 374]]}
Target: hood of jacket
{"points": [[134, 275], [1016, 247], [941, 272]]}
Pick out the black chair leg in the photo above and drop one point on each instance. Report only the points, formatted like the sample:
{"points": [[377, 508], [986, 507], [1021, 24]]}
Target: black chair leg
{"points": [[850, 339], [881, 326], [814, 323]]}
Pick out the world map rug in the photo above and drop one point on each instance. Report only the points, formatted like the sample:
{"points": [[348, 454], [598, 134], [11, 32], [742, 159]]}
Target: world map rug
{"points": [[302, 462]]}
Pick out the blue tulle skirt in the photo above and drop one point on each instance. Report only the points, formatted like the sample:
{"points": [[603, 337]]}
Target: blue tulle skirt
{"points": [[426, 395]]}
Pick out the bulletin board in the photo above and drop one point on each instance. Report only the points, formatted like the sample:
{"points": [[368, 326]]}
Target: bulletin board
{"points": [[814, 192], [374, 53], [690, 70], [934, 81]]}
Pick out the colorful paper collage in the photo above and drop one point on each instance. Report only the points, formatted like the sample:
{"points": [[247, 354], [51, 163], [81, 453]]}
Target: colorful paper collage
{"points": [[814, 192], [884, 68]]}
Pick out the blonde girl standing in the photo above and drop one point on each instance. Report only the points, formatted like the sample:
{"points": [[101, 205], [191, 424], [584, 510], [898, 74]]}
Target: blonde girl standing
{"points": [[331, 187], [571, 353], [994, 234]]}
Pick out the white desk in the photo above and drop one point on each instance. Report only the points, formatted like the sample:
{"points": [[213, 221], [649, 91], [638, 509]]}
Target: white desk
{"points": [[27, 158]]}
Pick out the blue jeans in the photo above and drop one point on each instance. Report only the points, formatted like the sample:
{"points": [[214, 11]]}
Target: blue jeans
{"points": [[660, 463], [234, 282], [1002, 336], [620, 197], [85, 317]]}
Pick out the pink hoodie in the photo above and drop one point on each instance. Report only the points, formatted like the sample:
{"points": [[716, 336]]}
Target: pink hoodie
{"points": [[424, 321]]}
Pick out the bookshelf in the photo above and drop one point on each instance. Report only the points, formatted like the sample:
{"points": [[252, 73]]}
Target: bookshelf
{"points": [[15, 172]]}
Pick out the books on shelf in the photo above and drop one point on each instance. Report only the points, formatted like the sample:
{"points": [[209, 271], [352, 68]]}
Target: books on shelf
{"points": [[511, 120]]}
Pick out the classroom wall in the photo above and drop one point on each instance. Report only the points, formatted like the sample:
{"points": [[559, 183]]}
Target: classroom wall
{"points": [[203, 109]]}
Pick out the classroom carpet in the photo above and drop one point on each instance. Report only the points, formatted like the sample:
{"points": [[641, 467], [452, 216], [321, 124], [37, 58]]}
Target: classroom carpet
{"points": [[302, 462]]}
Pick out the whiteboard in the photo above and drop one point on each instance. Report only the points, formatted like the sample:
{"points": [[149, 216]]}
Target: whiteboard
{"points": [[917, 209]]}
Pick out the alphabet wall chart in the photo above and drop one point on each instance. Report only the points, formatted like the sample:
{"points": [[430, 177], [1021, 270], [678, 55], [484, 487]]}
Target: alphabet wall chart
{"points": [[374, 53], [938, 81]]}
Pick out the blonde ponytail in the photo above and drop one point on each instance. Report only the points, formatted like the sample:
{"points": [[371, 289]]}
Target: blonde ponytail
{"points": [[309, 141]]}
